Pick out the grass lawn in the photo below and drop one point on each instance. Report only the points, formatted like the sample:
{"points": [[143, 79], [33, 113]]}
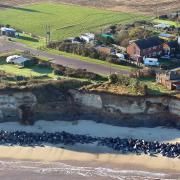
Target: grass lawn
{"points": [[33, 71], [65, 20], [153, 87], [29, 40], [26, 72], [43, 73], [91, 60], [173, 23]]}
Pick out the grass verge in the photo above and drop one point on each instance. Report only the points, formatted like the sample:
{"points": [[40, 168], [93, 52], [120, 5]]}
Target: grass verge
{"points": [[90, 60]]}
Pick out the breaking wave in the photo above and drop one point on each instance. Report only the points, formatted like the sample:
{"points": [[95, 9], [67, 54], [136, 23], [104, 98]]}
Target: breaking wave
{"points": [[57, 168]]}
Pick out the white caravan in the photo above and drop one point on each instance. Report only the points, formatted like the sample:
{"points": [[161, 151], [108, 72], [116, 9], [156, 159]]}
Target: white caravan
{"points": [[151, 62]]}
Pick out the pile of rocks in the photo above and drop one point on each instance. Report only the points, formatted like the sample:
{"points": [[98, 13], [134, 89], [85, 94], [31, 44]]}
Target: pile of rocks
{"points": [[124, 146]]}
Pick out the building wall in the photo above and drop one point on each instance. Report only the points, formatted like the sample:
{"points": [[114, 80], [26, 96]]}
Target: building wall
{"points": [[8, 33], [166, 80], [104, 50], [166, 49], [153, 51], [174, 75], [134, 51]]}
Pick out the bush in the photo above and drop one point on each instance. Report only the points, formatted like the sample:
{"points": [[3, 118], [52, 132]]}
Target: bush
{"points": [[132, 83], [144, 73], [76, 73], [113, 78]]}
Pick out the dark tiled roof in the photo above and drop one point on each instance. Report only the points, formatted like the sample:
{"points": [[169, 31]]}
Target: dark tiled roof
{"points": [[148, 43]]}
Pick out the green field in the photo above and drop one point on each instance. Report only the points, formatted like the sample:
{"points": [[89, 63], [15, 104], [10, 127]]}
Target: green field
{"points": [[65, 20]]}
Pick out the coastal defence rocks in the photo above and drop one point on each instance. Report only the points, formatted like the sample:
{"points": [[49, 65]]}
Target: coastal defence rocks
{"points": [[55, 103]]}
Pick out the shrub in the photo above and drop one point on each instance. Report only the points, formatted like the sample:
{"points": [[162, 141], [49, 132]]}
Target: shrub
{"points": [[113, 78], [76, 73], [132, 83], [144, 73]]}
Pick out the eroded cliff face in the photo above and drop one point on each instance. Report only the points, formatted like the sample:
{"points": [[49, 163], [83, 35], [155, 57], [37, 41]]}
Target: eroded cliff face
{"points": [[17, 106], [54, 104], [128, 110]]}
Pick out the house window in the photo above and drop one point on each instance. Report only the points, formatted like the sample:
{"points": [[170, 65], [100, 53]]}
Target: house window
{"points": [[154, 54]]}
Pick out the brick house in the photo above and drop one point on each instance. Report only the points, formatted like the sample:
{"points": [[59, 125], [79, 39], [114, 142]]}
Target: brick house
{"points": [[150, 47], [105, 50], [170, 48], [170, 79]]}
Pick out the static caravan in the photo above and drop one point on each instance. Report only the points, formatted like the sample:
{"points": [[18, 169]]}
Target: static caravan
{"points": [[8, 32], [87, 37], [20, 60], [151, 62]]}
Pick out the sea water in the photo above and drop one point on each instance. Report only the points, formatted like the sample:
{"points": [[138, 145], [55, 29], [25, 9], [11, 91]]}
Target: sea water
{"points": [[31, 170]]}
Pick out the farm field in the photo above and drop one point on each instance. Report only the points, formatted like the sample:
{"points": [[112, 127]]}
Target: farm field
{"points": [[65, 20], [135, 6]]}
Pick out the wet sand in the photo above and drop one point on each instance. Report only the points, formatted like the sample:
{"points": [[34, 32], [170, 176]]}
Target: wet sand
{"points": [[76, 170], [55, 154]]}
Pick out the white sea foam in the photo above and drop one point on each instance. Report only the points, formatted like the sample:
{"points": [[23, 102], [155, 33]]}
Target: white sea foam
{"points": [[71, 170]]}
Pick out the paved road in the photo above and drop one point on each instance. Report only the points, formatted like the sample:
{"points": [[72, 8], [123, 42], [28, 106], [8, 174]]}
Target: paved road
{"points": [[70, 62]]}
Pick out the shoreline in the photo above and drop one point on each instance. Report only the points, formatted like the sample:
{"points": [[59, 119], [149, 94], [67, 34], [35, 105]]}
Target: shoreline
{"points": [[91, 154], [54, 154]]}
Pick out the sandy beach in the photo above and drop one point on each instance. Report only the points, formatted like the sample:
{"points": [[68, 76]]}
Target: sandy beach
{"points": [[49, 154], [55, 163], [92, 128], [87, 154]]}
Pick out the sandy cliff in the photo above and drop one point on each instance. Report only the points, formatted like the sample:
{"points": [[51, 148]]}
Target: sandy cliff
{"points": [[52, 103], [17, 106], [128, 110]]}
